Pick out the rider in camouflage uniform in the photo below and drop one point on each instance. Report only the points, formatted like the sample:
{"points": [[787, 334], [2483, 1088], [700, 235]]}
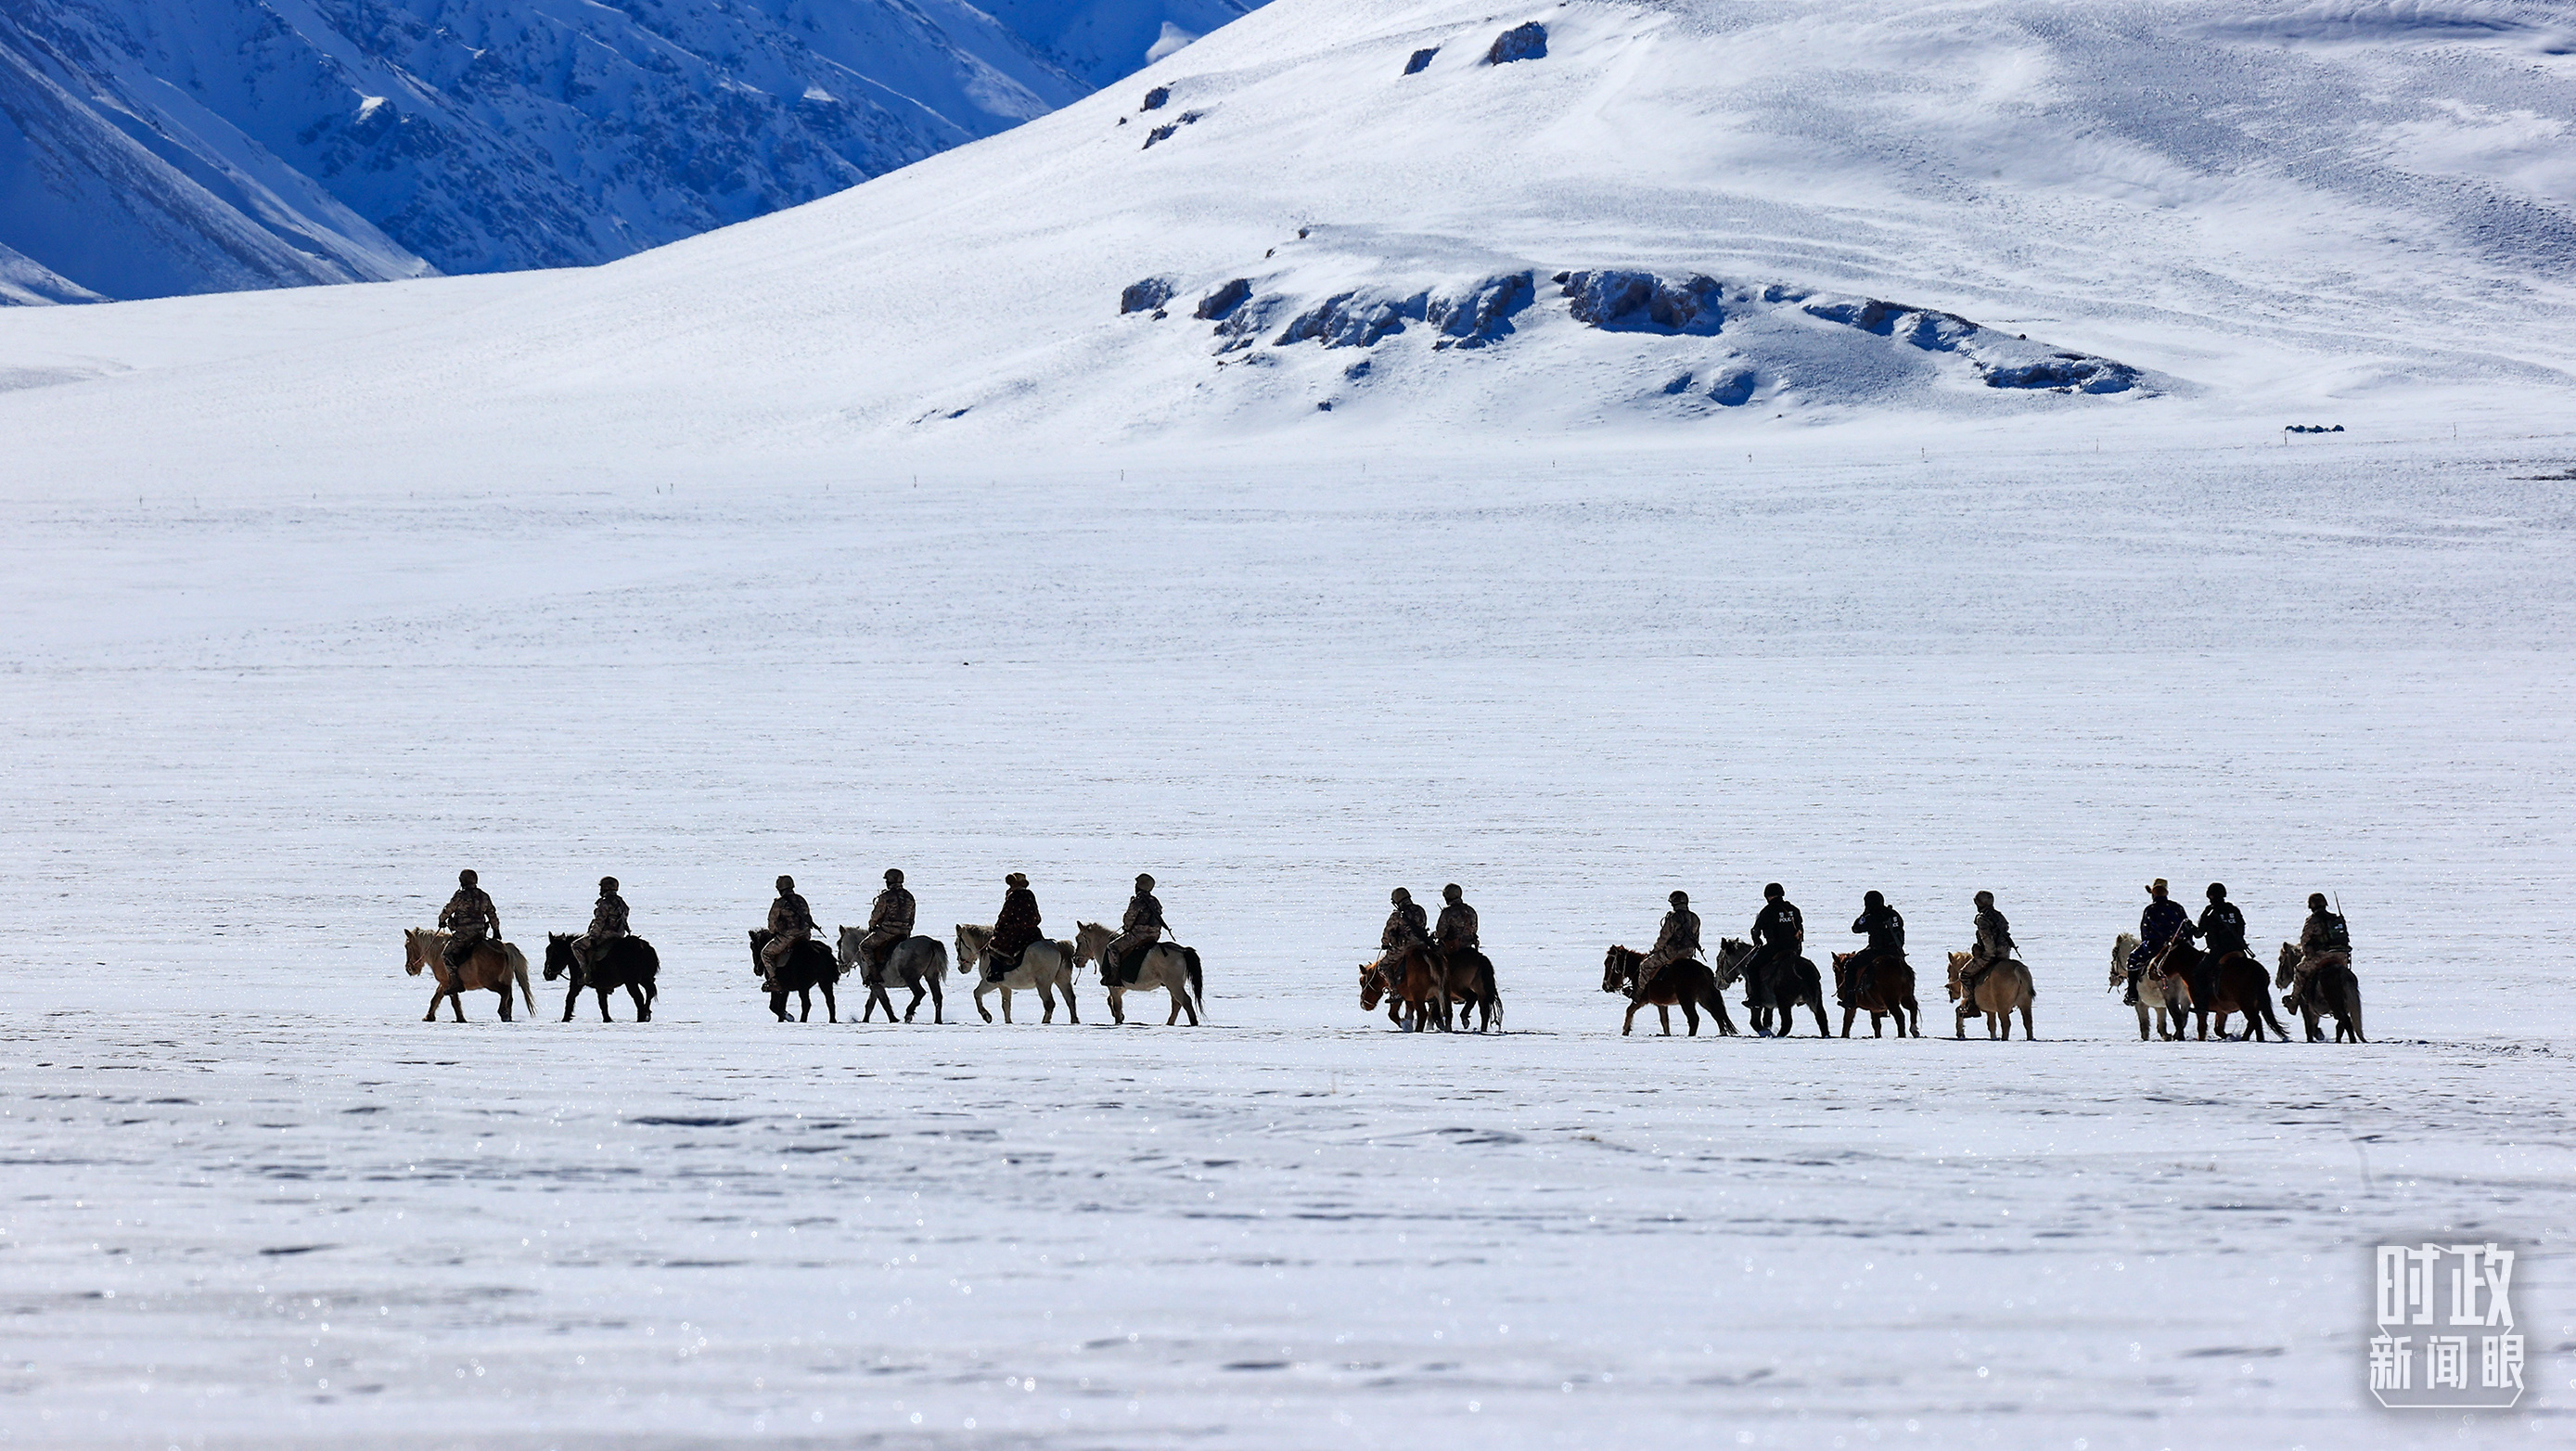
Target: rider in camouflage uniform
{"points": [[791, 925], [2324, 941], [607, 925], [1141, 928], [469, 919], [889, 922], [1677, 940], [1406, 925], [1994, 944]]}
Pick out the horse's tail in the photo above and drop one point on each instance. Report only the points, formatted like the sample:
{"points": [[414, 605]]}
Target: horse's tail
{"points": [[519, 969], [1198, 985]]}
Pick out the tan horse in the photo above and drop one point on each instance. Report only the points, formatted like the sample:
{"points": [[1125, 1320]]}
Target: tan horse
{"points": [[1046, 969], [2161, 999], [1167, 966], [2005, 987], [490, 967]]}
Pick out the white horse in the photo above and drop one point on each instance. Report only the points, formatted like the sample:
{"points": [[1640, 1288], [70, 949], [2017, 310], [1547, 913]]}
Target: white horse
{"points": [[1167, 965], [1046, 969], [918, 963], [2161, 998]]}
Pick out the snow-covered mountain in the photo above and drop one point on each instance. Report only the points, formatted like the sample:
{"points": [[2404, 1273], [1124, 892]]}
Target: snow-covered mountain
{"points": [[1345, 217], [154, 147]]}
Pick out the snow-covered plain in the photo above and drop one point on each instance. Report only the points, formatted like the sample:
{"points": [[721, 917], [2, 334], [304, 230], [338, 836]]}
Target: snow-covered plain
{"points": [[672, 569]]}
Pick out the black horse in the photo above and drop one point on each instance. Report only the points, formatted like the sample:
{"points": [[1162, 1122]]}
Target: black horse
{"points": [[1785, 985], [809, 967], [631, 963]]}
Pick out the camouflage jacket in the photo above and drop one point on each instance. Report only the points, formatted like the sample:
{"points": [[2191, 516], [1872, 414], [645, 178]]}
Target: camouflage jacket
{"points": [[1405, 926], [1457, 929], [470, 914], [1676, 940], [608, 919], [892, 913], [2321, 934], [1144, 919], [790, 917], [1994, 936]]}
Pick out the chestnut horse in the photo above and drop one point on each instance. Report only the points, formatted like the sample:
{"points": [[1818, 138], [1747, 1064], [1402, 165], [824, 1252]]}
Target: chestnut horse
{"points": [[490, 967], [2235, 983], [2005, 987], [1891, 992], [1687, 982], [1409, 980]]}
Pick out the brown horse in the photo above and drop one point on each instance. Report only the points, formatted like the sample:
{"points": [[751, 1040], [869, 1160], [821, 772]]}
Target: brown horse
{"points": [[1687, 983], [1409, 980], [1470, 987], [492, 967], [2233, 984], [1891, 993], [2005, 987], [2332, 991]]}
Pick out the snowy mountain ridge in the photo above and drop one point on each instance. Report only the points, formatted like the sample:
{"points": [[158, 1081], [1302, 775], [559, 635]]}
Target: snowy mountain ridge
{"points": [[156, 147]]}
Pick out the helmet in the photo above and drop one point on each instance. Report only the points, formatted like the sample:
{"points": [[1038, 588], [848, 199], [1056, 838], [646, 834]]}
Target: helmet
{"points": [[1985, 899], [1872, 899], [1774, 892], [1450, 893], [2316, 901], [1399, 895], [466, 878], [1144, 881], [786, 883], [608, 884], [2218, 891], [1681, 899], [894, 876]]}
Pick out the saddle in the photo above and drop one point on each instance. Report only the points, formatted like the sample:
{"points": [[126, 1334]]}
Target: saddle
{"points": [[1123, 969]]}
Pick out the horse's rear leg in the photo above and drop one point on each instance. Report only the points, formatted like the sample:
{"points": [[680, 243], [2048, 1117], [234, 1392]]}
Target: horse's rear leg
{"points": [[1072, 1013], [1690, 1015], [643, 1002], [604, 1015], [831, 1008], [2026, 1033], [918, 993], [1666, 1014]]}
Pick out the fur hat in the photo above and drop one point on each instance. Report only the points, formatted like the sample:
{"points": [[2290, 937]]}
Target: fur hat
{"points": [[608, 884], [1016, 879]]}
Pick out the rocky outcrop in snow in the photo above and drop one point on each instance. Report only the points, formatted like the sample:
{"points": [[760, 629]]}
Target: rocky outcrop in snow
{"points": [[1521, 42]]}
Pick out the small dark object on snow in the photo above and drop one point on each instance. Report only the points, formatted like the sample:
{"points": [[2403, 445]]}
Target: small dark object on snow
{"points": [[1155, 98], [2310, 428], [1521, 42], [1421, 61], [1225, 299], [1164, 131]]}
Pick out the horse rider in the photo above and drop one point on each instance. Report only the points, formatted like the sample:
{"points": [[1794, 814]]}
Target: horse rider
{"points": [[1141, 928], [889, 922], [607, 925], [791, 925], [1994, 945], [1454, 937], [1779, 931], [1885, 927], [1677, 940], [469, 919], [1406, 926], [2221, 925], [2156, 926], [2324, 941], [1013, 930]]}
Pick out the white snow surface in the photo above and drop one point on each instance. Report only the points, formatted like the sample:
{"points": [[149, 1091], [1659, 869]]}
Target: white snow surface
{"points": [[679, 569]]}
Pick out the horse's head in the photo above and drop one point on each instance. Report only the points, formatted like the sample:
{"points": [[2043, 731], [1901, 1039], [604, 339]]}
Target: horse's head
{"points": [[1958, 965], [419, 946], [970, 945], [558, 954], [2121, 947], [1731, 955], [1091, 941], [1372, 986], [2289, 968], [1619, 968]]}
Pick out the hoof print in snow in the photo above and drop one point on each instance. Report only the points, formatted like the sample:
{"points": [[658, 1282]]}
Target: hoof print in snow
{"points": [[1155, 98], [1643, 302], [1521, 42], [1421, 61], [1146, 296], [1224, 300], [1165, 131]]}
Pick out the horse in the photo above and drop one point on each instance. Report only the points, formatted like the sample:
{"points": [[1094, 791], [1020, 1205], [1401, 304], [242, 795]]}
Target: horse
{"points": [[1473, 991], [490, 966], [630, 963], [1686, 982], [1047, 967], [1409, 979], [2333, 991], [1165, 965], [2160, 997], [809, 967], [919, 963], [1786, 985], [2005, 986], [1891, 993], [2222, 986]]}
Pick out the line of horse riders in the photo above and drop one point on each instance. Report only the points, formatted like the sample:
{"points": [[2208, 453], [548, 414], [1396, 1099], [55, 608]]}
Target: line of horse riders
{"points": [[1426, 971]]}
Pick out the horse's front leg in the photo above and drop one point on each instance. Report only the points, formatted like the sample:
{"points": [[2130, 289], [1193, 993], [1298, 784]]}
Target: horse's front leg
{"points": [[1118, 1006], [1629, 1024], [572, 999], [778, 1003], [603, 1006]]}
